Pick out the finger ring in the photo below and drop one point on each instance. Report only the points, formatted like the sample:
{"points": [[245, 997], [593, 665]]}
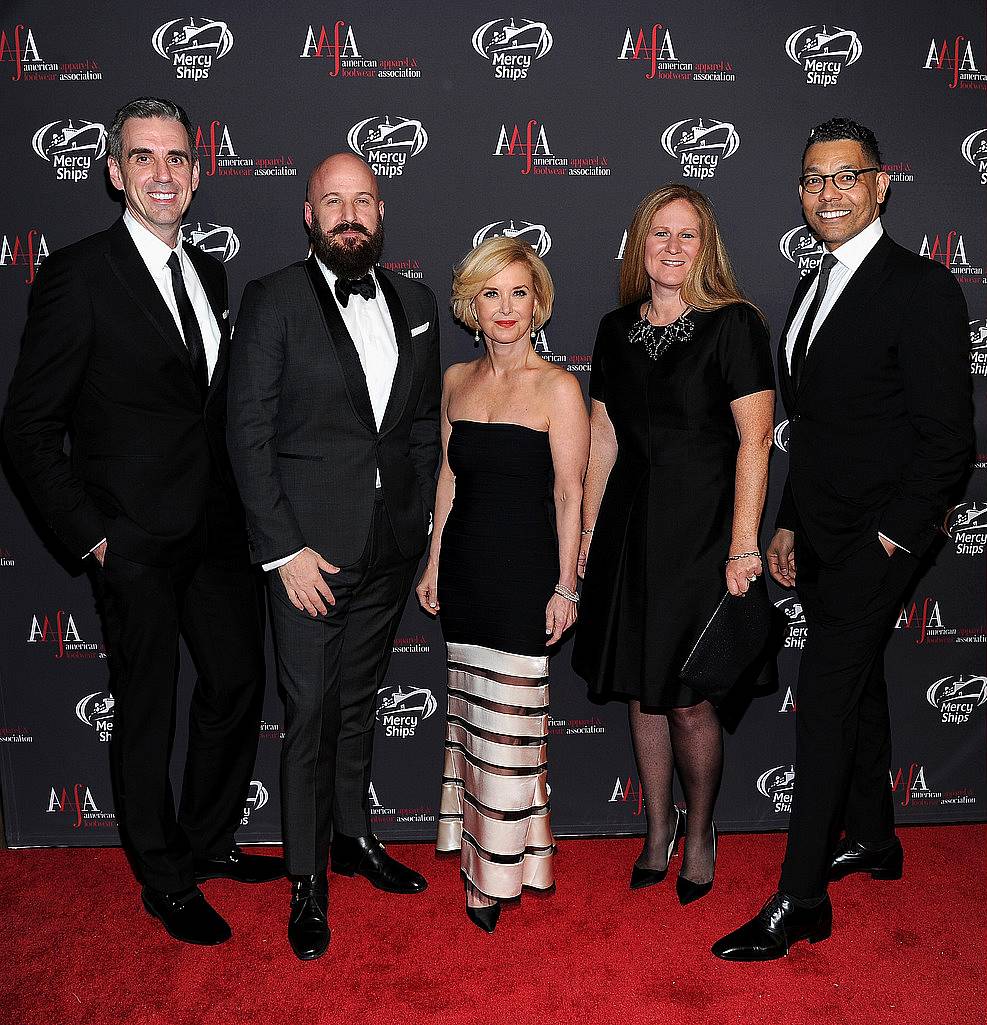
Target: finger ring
{"points": [[752, 579]]}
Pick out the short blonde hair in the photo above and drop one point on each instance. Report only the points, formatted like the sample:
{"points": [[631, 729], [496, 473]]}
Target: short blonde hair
{"points": [[489, 258]]}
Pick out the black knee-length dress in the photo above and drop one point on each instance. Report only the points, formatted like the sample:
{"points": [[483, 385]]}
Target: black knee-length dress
{"points": [[656, 565]]}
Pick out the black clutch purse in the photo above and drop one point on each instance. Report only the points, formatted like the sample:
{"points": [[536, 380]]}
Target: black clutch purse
{"points": [[738, 633]]}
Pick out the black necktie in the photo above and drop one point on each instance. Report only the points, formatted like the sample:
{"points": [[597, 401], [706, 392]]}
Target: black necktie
{"points": [[802, 340], [190, 325], [345, 287]]}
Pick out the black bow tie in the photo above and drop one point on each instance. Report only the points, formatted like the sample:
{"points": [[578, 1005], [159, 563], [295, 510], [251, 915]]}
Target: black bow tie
{"points": [[345, 287]]}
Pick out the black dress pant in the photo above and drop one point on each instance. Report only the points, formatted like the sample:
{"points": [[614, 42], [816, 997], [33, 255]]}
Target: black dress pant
{"points": [[843, 727], [215, 604], [330, 669]]}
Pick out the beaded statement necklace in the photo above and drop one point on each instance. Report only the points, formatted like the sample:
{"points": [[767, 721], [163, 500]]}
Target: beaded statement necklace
{"points": [[658, 340]]}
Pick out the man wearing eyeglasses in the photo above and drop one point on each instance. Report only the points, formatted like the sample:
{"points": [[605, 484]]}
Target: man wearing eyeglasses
{"points": [[874, 373]]}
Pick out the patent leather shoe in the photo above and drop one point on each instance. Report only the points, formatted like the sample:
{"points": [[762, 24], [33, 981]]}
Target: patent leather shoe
{"points": [[366, 856], [771, 933], [187, 916], [485, 917], [883, 861], [642, 877], [241, 867], [687, 890], [308, 923]]}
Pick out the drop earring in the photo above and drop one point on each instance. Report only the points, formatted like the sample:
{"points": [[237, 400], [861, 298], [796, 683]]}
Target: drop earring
{"points": [[476, 342]]}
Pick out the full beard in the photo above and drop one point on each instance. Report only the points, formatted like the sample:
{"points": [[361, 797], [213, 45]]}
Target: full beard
{"points": [[347, 259]]}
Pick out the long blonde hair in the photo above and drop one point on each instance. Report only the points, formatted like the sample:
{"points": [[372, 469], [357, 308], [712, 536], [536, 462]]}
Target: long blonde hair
{"points": [[710, 283]]}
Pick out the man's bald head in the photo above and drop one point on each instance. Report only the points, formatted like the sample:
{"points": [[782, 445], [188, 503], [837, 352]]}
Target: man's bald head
{"points": [[341, 170]]}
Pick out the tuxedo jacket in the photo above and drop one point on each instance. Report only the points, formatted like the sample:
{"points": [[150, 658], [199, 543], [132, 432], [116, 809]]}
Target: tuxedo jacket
{"points": [[881, 424], [303, 440], [102, 360]]}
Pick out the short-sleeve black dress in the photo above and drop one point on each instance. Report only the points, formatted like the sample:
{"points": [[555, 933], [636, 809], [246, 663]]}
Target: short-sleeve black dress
{"points": [[655, 569]]}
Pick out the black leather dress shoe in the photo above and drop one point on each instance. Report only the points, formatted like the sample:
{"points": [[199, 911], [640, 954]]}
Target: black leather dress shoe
{"points": [[365, 856], [243, 868], [187, 916], [883, 861], [778, 925], [308, 923]]}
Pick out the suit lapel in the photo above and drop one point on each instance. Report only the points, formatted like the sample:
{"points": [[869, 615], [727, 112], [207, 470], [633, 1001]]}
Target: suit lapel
{"points": [[403, 372], [841, 318], [130, 268], [784, 372], [349, 360], [212, 285]]}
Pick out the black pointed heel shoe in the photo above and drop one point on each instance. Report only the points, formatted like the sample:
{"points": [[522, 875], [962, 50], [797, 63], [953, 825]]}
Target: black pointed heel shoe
{"points": [[485, 917], [689, 891], [642, 877]]}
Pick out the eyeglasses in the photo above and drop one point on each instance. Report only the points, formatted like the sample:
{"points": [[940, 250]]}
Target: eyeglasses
{"points": [[843, 180]]}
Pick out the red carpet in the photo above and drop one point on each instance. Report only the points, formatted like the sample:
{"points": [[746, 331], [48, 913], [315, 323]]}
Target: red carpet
{"points": [[79, 949]]}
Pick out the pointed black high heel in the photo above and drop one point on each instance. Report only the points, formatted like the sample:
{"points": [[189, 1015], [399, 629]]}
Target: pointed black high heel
{"points": [[484, 917], [689, 891], [642, 877]]}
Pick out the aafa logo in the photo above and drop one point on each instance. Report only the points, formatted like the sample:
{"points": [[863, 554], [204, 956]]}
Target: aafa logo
{"points": [[27, 252], [217, 240], [340, 45], [956, 697], [79, 805], [527, 144], [511, 47], [628, 792], [823, 51], [70, 147], [192, 44], [699, 146], [257, 797], [96, 710], [974, 150], [59, 630], [796, 628], [955, 59], [966, 525], [911, 784], [778, 785], [401, 709], [653, 45], [978, 346], [213, 145], [536, 235], [926, 621], [19, 48], [801, 247], [782, 435], [386, 143]]}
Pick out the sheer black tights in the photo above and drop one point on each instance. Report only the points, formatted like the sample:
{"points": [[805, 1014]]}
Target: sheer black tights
{"points": [[691, 741]]}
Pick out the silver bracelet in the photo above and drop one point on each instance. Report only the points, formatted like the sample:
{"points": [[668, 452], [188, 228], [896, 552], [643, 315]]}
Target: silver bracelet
{"points": [[564, 592], [744, 555], [589, 531]]}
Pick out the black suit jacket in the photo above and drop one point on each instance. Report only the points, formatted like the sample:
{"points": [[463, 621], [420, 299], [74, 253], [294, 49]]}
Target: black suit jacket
{"points": [[881, 425], [102, 360], [302, 436]]}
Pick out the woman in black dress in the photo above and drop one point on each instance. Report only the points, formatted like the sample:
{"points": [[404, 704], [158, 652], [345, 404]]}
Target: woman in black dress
{"points": [[502, 572], [681, 427]]}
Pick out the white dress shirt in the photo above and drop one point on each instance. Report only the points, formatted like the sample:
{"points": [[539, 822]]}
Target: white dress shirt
{"points": [[369, 324], [849, 257], [155, 254]]}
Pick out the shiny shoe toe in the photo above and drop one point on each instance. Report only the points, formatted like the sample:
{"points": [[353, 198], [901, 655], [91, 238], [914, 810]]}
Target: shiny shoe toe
{"points": [[688, 891], [187, 916], [484, 917], [775, 928], [882, 862], [308, 924], [366, 856], [642, 877], [241, 867]]}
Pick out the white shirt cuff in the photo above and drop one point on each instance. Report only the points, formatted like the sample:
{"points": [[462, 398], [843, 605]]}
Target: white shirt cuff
{"points": [[278, 563], [94, 547], [890, 541]]}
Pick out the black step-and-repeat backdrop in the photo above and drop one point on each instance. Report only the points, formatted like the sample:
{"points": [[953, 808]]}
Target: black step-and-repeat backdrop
{"points": [[547, 121]]}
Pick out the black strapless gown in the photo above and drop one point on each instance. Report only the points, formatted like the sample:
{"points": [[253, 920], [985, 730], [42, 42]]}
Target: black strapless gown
{"points": [[498, 567]]}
